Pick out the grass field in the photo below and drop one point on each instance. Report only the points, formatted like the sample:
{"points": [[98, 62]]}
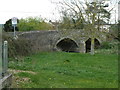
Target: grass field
{"points": [[65, 70]]}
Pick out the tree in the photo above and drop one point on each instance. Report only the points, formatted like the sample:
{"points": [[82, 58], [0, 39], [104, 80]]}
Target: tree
{"points": [[97, 16], [88, 14], [8, 26], [70, 22], [115, 31], [33, 23]]}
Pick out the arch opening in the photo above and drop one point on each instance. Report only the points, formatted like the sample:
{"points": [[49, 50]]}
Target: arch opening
{"points": [[67, 45], [88, 44]]}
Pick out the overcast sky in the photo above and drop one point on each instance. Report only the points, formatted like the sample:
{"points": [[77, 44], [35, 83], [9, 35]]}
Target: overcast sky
{"points": [[26, 8]]}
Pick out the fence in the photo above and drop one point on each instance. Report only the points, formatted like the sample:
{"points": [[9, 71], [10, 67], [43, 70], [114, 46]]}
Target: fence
{"points": [[0, 51], [5, 78], [4, 59]]}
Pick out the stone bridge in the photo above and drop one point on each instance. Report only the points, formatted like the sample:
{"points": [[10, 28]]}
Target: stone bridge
{"points": [[62, 40]]}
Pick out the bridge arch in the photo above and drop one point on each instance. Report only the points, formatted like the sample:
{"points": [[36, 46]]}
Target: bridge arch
{"points": [[67, 45], [88, 44]]}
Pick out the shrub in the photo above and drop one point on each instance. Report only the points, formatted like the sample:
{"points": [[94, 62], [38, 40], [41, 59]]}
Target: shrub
{"points": [[105, 45], [17, 47], [109, 47], [33, 23]]}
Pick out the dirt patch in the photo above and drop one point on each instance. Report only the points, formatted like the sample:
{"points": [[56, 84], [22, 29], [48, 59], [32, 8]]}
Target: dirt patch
{"points": [[17, 71], [16, 83]]}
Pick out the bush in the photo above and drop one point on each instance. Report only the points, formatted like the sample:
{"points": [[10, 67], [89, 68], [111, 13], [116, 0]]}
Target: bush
{"points": [[106, 45], [33, 23], [109, 47], [17, 47]]}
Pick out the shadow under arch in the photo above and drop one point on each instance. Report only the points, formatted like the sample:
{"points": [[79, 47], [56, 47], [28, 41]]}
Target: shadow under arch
{"points": [[88, 44], [67, 45]]}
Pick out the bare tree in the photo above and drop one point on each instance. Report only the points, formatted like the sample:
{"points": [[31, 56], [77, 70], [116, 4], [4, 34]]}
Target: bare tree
{"points": [[89, 13]]}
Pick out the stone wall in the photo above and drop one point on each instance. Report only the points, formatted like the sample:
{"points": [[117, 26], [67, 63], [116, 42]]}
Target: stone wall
{"points": [[48, 40], [41, 40]]}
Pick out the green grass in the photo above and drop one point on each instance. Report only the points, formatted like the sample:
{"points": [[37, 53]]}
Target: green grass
{"points": [[68, 70]]}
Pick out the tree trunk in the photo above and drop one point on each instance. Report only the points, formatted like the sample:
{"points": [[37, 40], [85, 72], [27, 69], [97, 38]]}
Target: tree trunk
{"points": [[92, 46]]}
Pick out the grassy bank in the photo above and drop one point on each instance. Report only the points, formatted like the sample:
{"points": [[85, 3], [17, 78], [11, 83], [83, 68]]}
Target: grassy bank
{"points": [[65, 70]]}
